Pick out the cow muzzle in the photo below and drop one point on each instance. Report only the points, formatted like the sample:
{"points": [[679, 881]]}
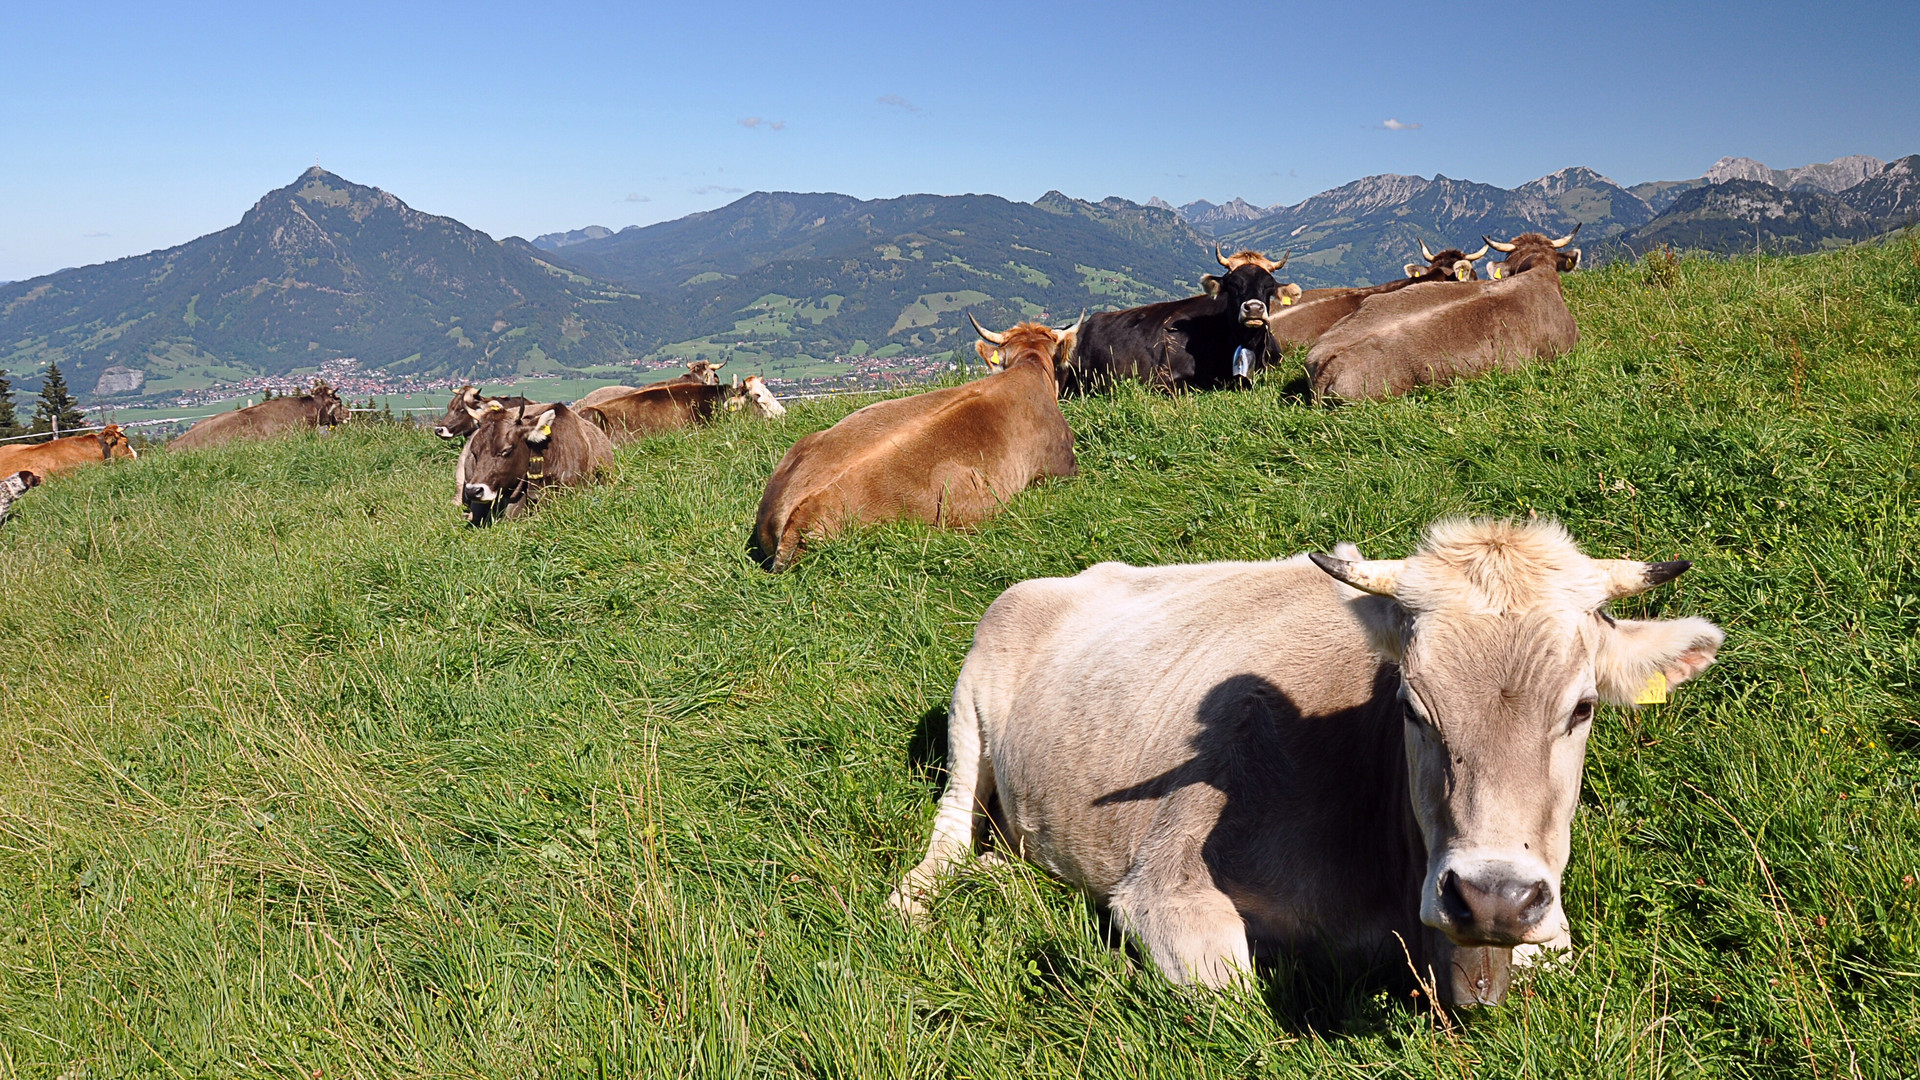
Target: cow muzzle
{"points": [[1482, 903], [444, 432], [1253, 313]]}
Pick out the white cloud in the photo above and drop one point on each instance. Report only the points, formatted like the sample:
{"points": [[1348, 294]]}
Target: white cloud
{"points": [[897, 102], [1397, 125], [94, 235], [709, 189], [634, 196], [757, 122]]}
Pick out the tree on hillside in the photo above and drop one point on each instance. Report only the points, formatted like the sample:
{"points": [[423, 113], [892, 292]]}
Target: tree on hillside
{"points": [[56, 410], [9, 422]]}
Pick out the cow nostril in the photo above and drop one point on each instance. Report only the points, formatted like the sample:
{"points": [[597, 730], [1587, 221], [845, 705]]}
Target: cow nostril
{"points": [[1530, 901], [1452, 904]]}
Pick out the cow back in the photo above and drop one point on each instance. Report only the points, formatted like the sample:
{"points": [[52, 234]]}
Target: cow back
{"points": [[665, 406], [947, 457], [265, 420], [1442, 331]]}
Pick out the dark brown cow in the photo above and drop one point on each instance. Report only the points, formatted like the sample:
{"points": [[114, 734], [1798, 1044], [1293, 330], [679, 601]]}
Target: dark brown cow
{"points": [[676, 403], [516, 453], [318, 408], [50, 459], [463, 412], [949, 457], [1203, 342], [1303, 323], [1449, 330]]}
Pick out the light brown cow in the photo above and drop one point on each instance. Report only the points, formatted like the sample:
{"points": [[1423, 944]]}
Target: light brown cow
{"points": [[665, 406], [702, 372], [755, 394], [318, 408], [1321, 759], [1449, 330], [515, 454], [950, 457], [49, 459], [1318, 309]]}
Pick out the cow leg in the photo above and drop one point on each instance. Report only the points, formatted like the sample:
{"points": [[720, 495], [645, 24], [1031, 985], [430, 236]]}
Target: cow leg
{"points": [[1169, 903], [963, 803]]}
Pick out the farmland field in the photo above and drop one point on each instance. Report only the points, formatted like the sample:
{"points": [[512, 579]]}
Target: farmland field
{"points": [[302, 777]]}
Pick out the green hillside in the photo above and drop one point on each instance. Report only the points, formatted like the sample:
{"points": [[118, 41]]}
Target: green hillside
{"points": [[781, 277], [304, 778], [320, 269]]}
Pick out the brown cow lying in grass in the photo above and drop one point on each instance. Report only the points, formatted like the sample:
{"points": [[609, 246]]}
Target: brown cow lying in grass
{"points": [[676, 403], [1437, 333], [318, 408], [49, 459], [517, 453], [464, 411], [1319, 309], [700, 372], [948, 457]]}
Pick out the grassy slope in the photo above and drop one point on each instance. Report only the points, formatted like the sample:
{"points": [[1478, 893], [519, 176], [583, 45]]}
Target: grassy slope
{"points": [[303, 778]]}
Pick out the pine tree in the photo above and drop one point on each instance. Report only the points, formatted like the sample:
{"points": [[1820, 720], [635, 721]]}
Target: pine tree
{"points": [[56, 404], [9, 422]]}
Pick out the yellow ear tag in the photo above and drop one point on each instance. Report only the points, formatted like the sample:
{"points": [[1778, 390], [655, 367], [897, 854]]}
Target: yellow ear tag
{"points": [[1285, 300], [995, 358], [1654, 692], [1496, 273], [494, 406], [547, 430]]}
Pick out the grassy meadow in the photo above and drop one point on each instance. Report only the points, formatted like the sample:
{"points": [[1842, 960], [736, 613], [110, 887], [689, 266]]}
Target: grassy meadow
{"points": [[301, 777]]}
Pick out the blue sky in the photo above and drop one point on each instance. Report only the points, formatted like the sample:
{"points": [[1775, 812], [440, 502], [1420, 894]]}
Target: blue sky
{"points": [[129, 128]]}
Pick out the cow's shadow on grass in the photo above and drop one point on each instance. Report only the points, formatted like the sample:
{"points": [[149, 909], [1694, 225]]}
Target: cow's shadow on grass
{"points": [[1306, 994]]}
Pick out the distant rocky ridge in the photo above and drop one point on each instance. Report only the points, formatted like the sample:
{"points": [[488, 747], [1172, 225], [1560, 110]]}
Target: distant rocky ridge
{"points": [[324, 270]]}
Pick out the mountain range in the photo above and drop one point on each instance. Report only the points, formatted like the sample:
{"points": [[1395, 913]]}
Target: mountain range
{"points": [[325, 268]]}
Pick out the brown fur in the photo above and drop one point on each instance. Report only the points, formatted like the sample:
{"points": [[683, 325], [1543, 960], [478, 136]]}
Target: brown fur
{"points": [[650, 410], [1303, 322], [462, 414], [498, 459], [1441, 332], [948, 457], [318, 409], [49, 459]]}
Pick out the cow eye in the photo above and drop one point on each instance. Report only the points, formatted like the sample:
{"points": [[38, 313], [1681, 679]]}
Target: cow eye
{"points": [[1582, 713]]}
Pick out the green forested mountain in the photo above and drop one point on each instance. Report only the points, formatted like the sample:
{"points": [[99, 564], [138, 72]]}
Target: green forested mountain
{"points": [[317, 270], [786, 274]]}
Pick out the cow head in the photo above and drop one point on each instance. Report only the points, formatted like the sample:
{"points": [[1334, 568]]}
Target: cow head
{"points": [[706, 371], [1504, 647], [754, 394], [505, 459], [1028, 341], [1249, 290], [1530, 250], [1449, 265], [114, 443], [462, 415], [329, 410]]}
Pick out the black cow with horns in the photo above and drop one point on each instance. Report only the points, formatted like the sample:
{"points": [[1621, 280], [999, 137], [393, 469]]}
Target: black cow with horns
{"points": [[1191, 343]]}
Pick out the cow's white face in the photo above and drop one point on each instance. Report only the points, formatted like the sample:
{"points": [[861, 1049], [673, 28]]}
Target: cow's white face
{"points": [[1503, 658]]}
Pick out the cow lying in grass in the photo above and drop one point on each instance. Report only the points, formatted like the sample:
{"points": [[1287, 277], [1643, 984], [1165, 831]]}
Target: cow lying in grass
{"points": [[49, 459], [318, 408], [1436, 333], [1318, 310], [1323, 759], [468, 405], [515, 454], [701, 372], [948, 457]]}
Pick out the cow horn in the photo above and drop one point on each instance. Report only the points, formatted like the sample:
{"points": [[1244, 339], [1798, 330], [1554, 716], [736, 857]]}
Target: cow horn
{"points": [[1219, 258], [1625, 577], [1376, 576], [1282, 264], [1424, 253], [1478, 255], [1497, 245], [991, 337], [1568, 239]]}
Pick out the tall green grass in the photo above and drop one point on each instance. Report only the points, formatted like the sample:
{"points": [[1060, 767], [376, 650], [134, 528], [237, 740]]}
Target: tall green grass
{"points": [[302, 777]]}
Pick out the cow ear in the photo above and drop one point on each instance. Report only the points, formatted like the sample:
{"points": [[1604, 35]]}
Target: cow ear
{"points": [[1414, 269], [989, 355], [1210, 285], [542, 429], [1639, 660], [1572, 257]]}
